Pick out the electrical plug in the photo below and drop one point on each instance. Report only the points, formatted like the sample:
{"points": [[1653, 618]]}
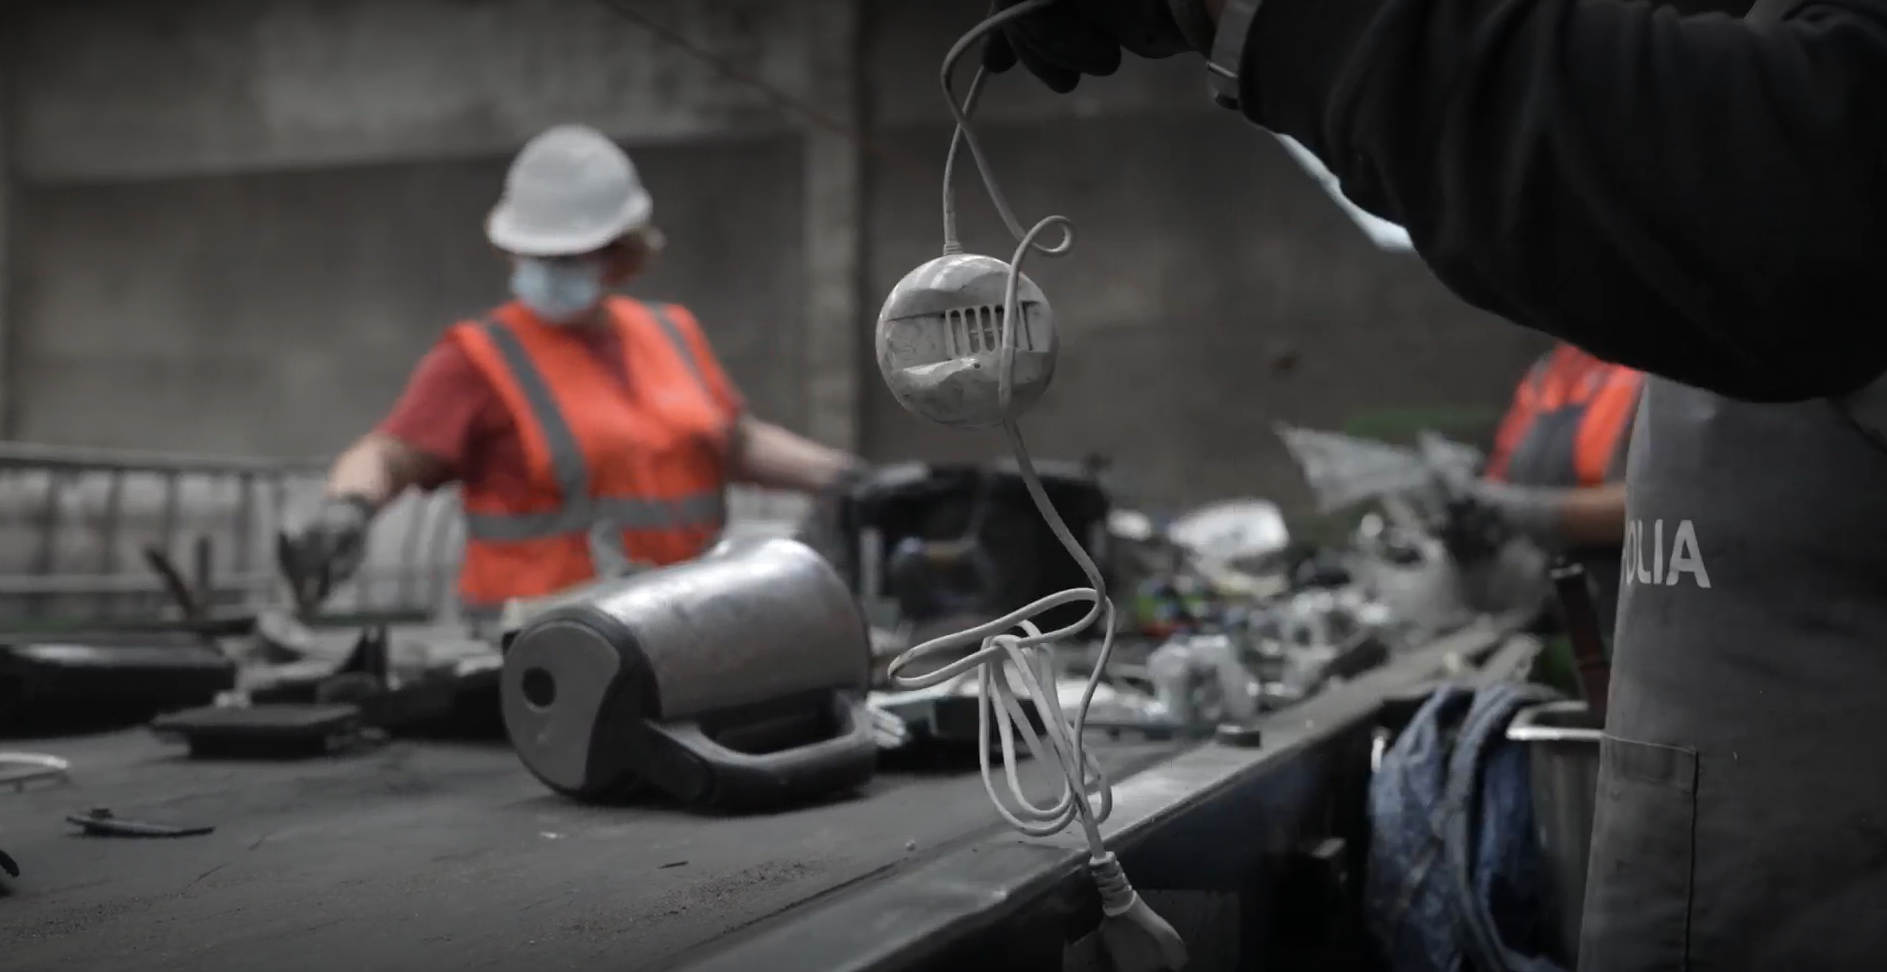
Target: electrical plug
{"points": [[1134, 936]]}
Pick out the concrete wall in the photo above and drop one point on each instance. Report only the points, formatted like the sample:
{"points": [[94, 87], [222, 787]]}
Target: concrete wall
{"points": [[236, 222], [248, 219], [278, 313], [1213, 289], [142, 89], [1198, 309]]}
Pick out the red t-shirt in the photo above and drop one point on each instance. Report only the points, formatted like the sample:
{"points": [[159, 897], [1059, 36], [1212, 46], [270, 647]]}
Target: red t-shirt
{"points": [[451, 412]]}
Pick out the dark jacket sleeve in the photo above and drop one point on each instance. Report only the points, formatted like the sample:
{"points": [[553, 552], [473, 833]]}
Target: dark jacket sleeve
{"points": [[1698, 197]]}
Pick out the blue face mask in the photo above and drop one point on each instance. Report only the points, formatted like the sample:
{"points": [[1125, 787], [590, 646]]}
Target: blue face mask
{"points": [[558, 291]]}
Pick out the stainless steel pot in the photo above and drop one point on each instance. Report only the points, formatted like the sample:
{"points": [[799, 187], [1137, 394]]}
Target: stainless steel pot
{"points": [[1562, 740]]}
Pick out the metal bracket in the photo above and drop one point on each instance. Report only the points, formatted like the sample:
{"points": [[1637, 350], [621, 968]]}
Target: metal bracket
{"points": [[1228, 50], [19, 769], [101, 822]]}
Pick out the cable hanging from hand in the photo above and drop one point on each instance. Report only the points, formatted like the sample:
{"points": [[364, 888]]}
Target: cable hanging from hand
{"points": [[1004, 660]]}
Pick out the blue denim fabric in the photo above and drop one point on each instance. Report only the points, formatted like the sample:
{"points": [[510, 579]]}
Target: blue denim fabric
{"points": [[1454, 873]]}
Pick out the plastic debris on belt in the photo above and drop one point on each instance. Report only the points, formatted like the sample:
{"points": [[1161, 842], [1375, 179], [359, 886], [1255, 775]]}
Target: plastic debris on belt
{"points": [[1344, 470], [1225, 619]]}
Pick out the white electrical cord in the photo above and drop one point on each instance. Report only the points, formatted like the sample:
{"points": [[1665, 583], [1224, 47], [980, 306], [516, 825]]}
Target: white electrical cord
{"points": [[1137, 936], [1031, 653]]}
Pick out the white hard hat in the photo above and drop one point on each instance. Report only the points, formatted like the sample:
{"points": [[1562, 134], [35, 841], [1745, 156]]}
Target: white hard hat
{"points": [[570, 191]]}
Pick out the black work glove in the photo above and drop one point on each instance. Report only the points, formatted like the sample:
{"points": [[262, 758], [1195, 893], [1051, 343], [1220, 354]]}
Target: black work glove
{"points": [[826, 527], [1077, 37], [1489, 513], [1531, 513], [325, 551]]}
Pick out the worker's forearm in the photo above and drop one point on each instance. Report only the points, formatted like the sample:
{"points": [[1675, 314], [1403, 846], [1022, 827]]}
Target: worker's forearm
{"points": [[1594, 517], [376, 469], [1583, 517], [767, 455]]}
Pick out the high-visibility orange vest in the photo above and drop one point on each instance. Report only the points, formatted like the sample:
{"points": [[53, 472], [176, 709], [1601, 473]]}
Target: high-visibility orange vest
{"points": [[638, 472], [1567, 423]]}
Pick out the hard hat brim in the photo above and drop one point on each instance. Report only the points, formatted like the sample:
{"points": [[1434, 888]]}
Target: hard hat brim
{"points": [[508, 233]]}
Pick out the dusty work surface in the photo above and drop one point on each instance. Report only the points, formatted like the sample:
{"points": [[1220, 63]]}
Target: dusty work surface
{"points": [[424, 856]]}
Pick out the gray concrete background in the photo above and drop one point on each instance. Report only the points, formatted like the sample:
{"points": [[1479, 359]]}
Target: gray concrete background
{"points": [[233, 224], [278, 313]]}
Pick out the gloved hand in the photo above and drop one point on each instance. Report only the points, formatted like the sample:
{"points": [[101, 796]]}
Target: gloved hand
{"points": [[1077, 37], [1489, 512], [887, 730], [325, 551], [825, 528]]}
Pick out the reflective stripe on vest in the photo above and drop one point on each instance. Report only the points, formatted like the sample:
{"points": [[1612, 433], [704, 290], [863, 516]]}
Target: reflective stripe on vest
{"points": [[1602, 433], [1568, 423], [581, 511]]}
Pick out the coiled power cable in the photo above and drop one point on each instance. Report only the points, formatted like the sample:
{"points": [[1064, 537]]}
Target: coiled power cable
{"points": [[969, 341]]}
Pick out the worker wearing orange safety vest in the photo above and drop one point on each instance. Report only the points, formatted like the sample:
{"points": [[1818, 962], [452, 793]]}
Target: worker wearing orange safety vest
{"points": [[1557, 470], [589, 433]]}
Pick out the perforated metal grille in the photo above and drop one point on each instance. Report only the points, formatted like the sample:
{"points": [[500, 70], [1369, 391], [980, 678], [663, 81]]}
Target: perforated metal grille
{"points": [[976, 330]]}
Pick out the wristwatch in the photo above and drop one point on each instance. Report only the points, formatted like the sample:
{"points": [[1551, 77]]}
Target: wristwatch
{"points": [[1228, 50]]}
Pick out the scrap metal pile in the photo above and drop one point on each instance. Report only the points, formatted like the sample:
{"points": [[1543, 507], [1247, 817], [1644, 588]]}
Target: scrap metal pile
{"points": [[1224, 617]]}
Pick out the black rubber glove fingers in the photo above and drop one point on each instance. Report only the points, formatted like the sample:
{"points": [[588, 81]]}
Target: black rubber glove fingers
{"points": [[1070, 38], [326, 550]]}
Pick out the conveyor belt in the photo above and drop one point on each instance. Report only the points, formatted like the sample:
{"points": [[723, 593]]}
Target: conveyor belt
{"points": [[424, 856]]}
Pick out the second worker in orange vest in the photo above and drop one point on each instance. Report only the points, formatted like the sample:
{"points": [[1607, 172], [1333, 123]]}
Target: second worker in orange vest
{"points": [[1557, 470], [587, 431]]}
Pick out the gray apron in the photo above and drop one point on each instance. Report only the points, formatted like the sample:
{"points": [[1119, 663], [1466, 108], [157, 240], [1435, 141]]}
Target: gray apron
{"points": [[1742, 807]]}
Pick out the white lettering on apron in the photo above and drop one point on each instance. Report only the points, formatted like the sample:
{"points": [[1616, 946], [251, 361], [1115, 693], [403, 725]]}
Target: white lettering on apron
{"points": [[1685, 556]]}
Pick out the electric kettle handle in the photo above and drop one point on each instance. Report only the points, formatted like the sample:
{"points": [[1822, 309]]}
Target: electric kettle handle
{"points": [[846, 759]]}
